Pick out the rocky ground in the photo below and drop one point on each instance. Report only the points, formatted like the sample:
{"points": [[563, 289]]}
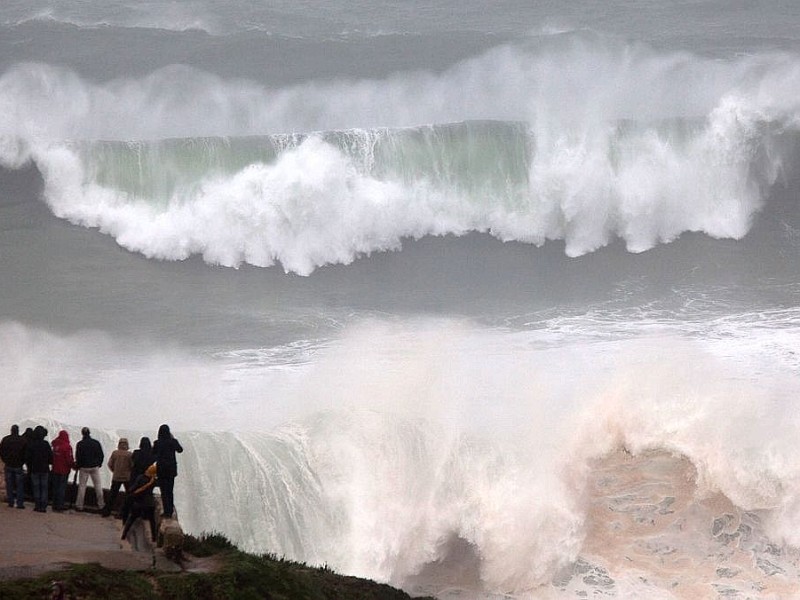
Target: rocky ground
{"points": [[84, 553], [34, 543]]}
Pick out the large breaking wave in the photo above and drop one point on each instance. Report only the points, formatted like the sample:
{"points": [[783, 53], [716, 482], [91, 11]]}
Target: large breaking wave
{"points": [[582, 140]]}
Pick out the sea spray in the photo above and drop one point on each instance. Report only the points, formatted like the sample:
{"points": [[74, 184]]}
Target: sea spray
{"points": [[400, 440], [576, 149], [467, 418], [580, 80]]}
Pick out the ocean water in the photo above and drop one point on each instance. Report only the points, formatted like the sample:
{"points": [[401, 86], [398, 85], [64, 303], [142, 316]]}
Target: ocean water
{"points": [[483, 300]]}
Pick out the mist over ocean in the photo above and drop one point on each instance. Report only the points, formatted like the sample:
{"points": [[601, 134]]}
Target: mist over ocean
{"points": [[483, 300]]}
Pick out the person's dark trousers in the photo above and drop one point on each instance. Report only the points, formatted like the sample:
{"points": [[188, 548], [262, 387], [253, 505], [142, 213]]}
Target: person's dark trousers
{"points": [[39, 484], [167, 485], [59, 491], [15, 486], [126, 507], [112, 496], [148, 513], [28, 486]]}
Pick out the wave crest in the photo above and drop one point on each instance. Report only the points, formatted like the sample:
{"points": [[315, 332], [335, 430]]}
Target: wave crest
{"points": [[559, 140], [305, 201]]}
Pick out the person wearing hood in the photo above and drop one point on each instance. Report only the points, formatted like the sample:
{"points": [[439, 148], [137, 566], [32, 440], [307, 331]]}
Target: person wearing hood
{"points": [[164, 450], [12, 453], [88, 459], [120, 463], [39, 457], [63, 463], [29, 437], [142, 458], [143, 504]]}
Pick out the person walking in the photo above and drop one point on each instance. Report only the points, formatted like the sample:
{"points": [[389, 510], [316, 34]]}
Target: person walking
{"points": [[120, 463], [143, 504], [88, 458], [164, 449], [39, 457], [63, 463], [12, 453]]}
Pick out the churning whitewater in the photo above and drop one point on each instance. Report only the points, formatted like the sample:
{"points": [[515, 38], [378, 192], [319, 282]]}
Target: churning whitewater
{"points": [[513, 307], [644, 165]]}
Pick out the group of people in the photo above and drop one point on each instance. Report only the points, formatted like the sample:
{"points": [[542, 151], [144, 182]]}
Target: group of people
{"points": [[50, 464]]}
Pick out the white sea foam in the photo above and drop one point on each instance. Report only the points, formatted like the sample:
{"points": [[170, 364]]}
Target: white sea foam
{"points": [[583, 82], [168, 16], [591, 177], [596, 450], [398, 440], [315, 205]]}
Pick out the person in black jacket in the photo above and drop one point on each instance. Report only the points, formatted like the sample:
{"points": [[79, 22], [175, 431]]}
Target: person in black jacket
{"points": [[164, 450], [28, 435], [142, 503], [142, 458], [88, 459], [39, 457], [12, 453]]}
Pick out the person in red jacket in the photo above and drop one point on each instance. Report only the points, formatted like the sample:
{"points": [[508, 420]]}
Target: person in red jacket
{"points": [[63, 463]]}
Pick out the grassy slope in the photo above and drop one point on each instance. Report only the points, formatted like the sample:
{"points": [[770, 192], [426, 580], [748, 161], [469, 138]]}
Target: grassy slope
{"points": [[240, 576]]}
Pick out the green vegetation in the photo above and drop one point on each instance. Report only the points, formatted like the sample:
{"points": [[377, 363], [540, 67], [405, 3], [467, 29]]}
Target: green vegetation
{"points": [[233, 574], [82, 581], [207, 544]]}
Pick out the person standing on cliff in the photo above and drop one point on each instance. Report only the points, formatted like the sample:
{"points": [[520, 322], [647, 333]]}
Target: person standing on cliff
{"points": [[63, 463], [142, 458], [12, 453], [88, 458], [120, 463], [164, 450], [39, 457]]}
